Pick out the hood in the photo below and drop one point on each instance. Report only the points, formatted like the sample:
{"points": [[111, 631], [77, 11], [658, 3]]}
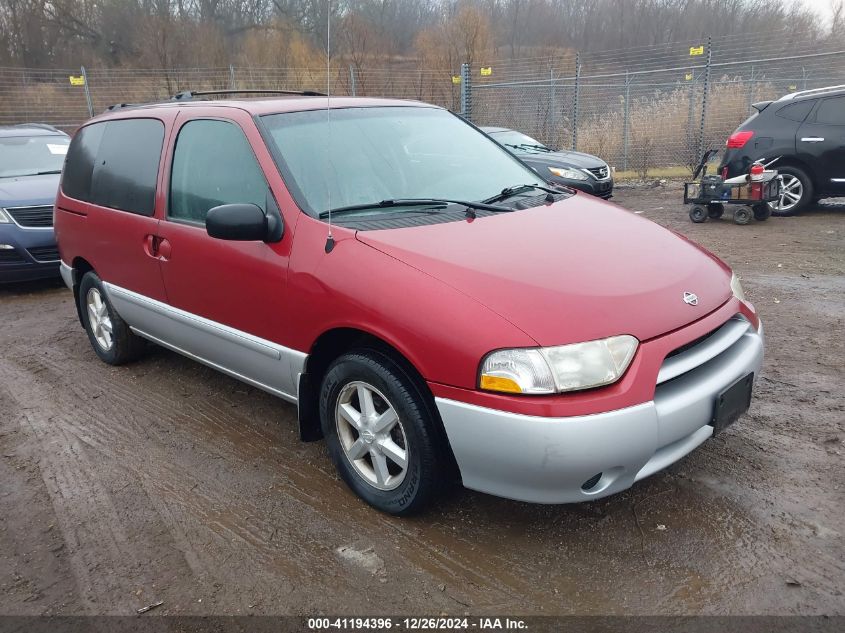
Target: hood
{"points": [[29, 190], [577, 270], [562, 159]]}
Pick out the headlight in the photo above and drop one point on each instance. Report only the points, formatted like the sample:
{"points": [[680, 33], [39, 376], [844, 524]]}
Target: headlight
{"points": [[736, 288], [4, 217], [555, 369], [565, 172]]}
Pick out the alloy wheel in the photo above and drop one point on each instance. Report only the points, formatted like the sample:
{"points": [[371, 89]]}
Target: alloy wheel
{"points": [[99, 319], [790, 194], [371, 435]]}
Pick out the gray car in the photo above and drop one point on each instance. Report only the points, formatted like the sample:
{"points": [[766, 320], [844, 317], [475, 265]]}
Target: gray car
{"points": [[578, 170], [31, 159]]}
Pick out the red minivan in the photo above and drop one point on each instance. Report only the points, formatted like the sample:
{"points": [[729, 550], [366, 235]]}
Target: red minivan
{"points": [[436, 312]]}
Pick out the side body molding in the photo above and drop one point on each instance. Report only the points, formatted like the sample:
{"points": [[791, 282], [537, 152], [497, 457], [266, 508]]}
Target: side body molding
{"points": [[256, 361]]}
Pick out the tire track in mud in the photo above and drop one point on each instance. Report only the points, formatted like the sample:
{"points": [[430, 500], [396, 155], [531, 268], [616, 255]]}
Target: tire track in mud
{"points": [[192, 501], [99, 547]]}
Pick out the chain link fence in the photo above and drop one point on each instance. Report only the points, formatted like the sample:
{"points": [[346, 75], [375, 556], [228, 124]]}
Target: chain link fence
{"points": [[67, 97], [650, 109]]}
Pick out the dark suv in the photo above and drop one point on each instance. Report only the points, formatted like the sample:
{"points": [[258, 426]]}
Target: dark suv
{"points": [[807, 131], [31, 158]]}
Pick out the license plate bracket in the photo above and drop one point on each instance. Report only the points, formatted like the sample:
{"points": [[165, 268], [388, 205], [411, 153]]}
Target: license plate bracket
{"points": [[732, 403]]}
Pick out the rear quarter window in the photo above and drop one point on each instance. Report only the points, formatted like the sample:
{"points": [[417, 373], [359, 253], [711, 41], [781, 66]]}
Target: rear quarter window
{"points": [[115, 164], [796, 111], [79, 162]]}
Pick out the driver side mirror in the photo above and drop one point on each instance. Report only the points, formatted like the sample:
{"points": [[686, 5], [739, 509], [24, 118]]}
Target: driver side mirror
{"points": [[238, 222]]}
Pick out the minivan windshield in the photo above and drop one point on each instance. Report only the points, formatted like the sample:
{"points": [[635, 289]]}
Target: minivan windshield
{"points": [[387, 153], [32, 155]]}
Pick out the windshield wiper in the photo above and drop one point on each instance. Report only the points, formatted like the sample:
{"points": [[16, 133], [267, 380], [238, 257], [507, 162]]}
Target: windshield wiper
{"points": [[411, 202], [509, 192], [49, 171], [529, 146]]}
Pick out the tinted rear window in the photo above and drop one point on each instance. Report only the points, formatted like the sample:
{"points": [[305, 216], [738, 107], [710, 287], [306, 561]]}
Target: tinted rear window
{"points": [[115, 164], [797, 111]]}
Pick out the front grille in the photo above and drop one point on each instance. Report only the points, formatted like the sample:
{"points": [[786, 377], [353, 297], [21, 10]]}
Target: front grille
{"points": [[600, 172], [703, 349], [45, 253], [32, 217], [9, 257], [691, 344]]}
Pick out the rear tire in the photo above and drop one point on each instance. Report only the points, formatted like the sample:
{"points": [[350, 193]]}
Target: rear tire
{"points": [[796, 194], [762, 212], [698, 214], [380, 433], [109, 335]]}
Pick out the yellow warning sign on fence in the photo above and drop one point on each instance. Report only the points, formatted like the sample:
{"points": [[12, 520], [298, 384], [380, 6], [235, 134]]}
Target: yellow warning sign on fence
{"points": [[456, 79], [688, 76], [696, 50], [486, 72], [77, 80]]}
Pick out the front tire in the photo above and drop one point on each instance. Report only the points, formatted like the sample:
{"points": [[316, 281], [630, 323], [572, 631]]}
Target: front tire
{"points": [[380, 433], [698, 214], [109, 335], [796, 194]]}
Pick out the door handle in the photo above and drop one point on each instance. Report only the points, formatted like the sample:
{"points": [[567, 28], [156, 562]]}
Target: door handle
{"points": [[157, 247], [813, 139], [164, 249], [150, 246]]}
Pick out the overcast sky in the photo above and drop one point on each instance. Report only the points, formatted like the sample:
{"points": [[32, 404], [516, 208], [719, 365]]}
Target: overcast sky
{"points": [[822, 7]]}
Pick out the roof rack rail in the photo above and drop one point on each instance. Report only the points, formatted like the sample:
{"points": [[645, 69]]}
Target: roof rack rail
{"points": [[119, 106], [802, 93], [188, 95]]}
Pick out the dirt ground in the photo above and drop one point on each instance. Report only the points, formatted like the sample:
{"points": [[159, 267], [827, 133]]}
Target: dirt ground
{"points": [[165, 481]]}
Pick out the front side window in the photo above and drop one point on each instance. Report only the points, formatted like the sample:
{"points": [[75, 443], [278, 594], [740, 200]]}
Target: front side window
{"points": [[213, 164], [32, 155], [372, 154], [831, 111]]}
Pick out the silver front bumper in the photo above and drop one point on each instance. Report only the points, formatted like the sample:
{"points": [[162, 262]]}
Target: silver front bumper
{"points": [[547, 460]]}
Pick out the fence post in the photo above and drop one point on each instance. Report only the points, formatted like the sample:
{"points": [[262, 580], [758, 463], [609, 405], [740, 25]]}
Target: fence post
{"points": [[352, 87], [575, 100], [704, 98], [87, 92], [232, 85], [751, 88], [552, 106], [626, 129], [804, 77], [466, 92]]}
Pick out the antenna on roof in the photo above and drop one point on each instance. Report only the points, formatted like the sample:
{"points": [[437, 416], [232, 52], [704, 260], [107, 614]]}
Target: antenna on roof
{"points": [[329, 238]]}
